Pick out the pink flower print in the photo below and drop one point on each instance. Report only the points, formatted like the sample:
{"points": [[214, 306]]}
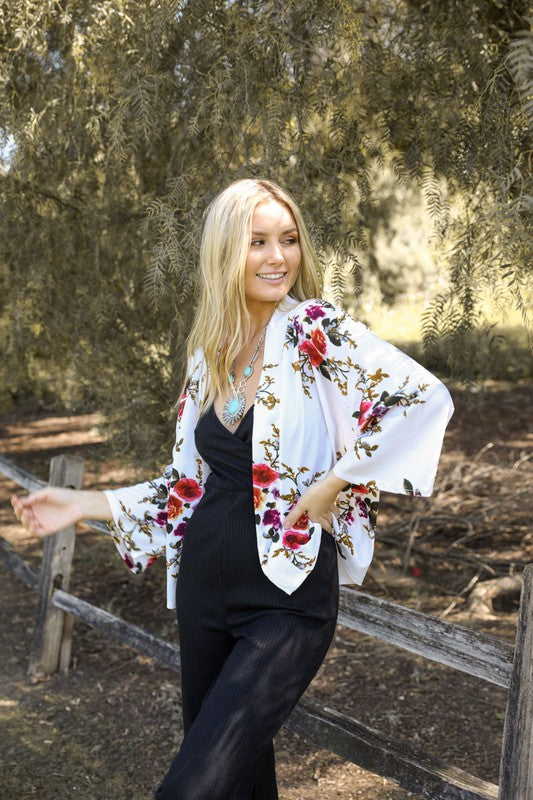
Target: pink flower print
{"points": [[161, 519], [181, 404], [128, 560], [314, 312], [368, 416], [180, 530], [362, 508], [272, 517], [294, 539], [364, 413]]}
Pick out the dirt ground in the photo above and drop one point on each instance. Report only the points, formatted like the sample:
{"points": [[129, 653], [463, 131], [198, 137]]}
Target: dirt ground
{"points": [[109, 728]]}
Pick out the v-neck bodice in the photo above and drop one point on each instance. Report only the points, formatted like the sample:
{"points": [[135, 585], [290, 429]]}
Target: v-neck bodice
{"points": [[235, 432], [228, 453]]}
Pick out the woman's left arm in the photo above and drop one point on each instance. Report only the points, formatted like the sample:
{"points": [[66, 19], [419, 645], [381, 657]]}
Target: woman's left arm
{"points": [[388, 412]]}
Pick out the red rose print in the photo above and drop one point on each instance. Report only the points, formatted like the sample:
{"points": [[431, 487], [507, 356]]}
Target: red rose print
{"points": [[187, 489], [294, 539], [359, 488], [151, 561], [315, 347], [258, 497], [263, 474], [302, 523], [174, 507], [319, 340]]}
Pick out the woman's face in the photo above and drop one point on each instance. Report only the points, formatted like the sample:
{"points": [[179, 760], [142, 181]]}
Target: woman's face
{"points": [[274, 251]]}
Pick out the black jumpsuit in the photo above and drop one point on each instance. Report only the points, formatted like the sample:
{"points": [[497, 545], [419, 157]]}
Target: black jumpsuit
{"points": [[248, 649]]}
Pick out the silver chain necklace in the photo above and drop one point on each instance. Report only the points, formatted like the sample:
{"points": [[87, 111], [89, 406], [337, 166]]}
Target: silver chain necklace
{"points": [[234, 406]]}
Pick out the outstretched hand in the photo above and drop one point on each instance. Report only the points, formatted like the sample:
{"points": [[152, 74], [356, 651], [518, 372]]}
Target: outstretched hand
{"points": [[47, 510], [317, 503]]}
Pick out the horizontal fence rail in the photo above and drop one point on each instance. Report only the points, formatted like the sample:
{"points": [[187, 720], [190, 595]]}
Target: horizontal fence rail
{"points": [[448, 643], [164, 652], [457, 646], [416, 771]]}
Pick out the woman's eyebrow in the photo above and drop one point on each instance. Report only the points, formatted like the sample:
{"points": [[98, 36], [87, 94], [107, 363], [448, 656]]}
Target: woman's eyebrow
{"points": [[283, 233]]}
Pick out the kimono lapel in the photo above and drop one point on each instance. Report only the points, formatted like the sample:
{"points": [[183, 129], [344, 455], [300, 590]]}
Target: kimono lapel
{"points": [[281, 430]]}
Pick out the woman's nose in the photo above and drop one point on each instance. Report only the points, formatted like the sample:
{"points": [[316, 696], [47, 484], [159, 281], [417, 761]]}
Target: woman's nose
{"points": [[275, 256]]}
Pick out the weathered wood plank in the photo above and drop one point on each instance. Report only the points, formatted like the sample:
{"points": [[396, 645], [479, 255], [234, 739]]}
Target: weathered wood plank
{"points": [[164, 652], [516, 768], [18, 475], [479, 654], [18, 565], [418, 772], [48, 632]]}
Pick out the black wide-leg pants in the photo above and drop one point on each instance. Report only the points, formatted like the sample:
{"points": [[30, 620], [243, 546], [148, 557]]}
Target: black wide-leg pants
{"points": [[248, 649]]}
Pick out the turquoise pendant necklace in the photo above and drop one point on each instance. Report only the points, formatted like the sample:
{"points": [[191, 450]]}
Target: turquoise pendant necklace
{"points": [[235, 405]]}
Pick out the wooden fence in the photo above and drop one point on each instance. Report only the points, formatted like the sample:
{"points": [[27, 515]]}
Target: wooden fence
{"points": [[486, 657]]}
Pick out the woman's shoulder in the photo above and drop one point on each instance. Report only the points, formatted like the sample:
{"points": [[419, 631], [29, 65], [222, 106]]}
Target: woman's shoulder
{"points": [[318, 310], [195, 362]]}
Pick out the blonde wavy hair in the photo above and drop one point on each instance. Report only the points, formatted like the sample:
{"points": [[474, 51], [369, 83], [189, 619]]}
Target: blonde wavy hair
{"points": [[222, 322]]}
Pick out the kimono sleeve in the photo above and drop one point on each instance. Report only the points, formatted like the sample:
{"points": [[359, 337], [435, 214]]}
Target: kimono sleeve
{"points": [[388, 412], [145, 514], [140, 520]]}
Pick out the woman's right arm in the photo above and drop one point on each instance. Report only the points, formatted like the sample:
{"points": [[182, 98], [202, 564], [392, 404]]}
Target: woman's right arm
{"points": [[140, 518], [51, 509]]}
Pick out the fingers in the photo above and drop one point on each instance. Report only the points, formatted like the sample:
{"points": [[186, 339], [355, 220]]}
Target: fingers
{"points": [[17, 506], [324, 520], [293, 516], [20, 503], [39, 494], [25, 515]]}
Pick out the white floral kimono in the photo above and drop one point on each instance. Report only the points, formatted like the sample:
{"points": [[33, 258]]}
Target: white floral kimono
{"points": [[331, 394]]}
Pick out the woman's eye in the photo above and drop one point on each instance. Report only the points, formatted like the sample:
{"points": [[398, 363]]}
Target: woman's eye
{"points": [[256, 242], [291, 240]]}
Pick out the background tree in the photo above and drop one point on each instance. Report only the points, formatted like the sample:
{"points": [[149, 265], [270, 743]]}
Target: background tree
{"points": [[120, 121]]}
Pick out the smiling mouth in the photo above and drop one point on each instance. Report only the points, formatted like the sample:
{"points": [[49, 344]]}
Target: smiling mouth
{"points": [[273, 277]]}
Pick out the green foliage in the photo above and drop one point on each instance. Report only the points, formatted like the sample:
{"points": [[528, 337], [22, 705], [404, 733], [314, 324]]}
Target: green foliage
{"points": [[127, 118]]}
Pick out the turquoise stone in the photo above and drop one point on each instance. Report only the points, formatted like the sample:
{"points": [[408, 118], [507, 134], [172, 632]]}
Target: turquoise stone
{"points": [[233, 405], [247, 371], [231, 377]]}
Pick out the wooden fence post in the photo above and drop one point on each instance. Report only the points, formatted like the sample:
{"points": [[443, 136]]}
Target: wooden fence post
{"points": [[51, 643], [516, 768]]}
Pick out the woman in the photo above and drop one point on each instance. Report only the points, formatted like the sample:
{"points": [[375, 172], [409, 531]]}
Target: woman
{"points": [[292, 418]]}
